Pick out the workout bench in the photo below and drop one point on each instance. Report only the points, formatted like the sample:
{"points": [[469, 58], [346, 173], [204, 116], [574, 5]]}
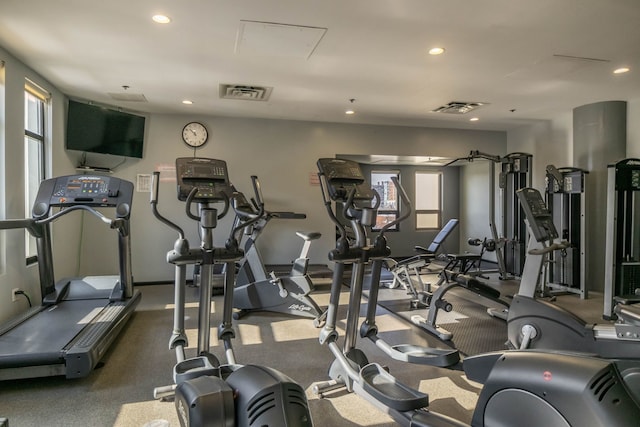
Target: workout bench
{"points": [[402, 270]]}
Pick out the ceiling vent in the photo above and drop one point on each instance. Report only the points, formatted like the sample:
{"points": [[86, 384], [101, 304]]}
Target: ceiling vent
{"points": [[129, 97], [456, 107], [245, 92]]}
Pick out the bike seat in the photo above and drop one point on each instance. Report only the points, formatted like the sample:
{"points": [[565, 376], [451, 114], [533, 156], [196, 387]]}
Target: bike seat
{"points": [[309, 236]]}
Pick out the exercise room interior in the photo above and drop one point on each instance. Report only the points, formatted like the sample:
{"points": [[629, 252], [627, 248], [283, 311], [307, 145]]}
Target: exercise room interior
{"points": [[457, 105]]}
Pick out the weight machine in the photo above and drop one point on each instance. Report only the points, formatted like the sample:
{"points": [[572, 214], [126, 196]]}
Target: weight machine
{"points": [[514, 174], [565, 197], [622, 247]]}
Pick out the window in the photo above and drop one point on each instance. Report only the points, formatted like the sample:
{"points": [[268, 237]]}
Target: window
{"points": [[388, 209], [34, 155], [428, 200], [2, 146]]}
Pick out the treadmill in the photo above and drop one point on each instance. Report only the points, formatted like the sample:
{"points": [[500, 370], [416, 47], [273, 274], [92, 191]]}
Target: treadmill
{"points": [[78, 318]]}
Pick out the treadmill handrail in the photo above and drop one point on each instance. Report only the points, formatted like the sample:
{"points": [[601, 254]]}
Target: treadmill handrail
{"points": [[69, 209], [27, 223], [32, 225]]}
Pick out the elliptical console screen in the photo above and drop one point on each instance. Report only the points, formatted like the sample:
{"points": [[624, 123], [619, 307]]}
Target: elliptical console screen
{"points": [[539, 217], [342, 177], [209, 176]]}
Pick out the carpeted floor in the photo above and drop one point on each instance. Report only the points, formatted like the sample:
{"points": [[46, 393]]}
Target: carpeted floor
{"points": [[474, 331], [120, 393]]}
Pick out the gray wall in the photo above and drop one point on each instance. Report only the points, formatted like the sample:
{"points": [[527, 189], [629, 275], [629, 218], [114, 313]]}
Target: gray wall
{"points": [[402, 242], [283, 155], [599, 139], [554, 143]]}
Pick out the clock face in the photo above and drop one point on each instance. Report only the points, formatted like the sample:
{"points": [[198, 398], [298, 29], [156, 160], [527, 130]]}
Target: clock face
{"points": [[195, 134]]}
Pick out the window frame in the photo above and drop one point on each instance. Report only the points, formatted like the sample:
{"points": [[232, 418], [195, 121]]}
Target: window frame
{"points": [[418, 211], [394, 213], [33, 92]]}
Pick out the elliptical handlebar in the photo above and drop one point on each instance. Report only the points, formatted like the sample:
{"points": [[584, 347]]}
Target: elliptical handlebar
{"points": [[252, 216], [556, 246], [327, 204], [154, 206], [349, 205], [405, 201]]}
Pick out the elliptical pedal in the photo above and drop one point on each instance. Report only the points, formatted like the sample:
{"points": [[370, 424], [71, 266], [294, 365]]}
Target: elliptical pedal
{"points": [[382, 386]]}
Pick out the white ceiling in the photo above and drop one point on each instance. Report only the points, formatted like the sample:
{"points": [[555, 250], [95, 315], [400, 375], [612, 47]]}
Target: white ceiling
{"points": [[513, 55]]}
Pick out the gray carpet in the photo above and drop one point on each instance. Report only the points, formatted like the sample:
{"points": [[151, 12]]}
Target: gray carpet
{"points": [[120, 393], [474, 331]]}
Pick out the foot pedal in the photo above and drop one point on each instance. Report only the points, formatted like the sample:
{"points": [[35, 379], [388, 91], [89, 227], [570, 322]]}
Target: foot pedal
{"points": [[386, 389], [442, 358]]}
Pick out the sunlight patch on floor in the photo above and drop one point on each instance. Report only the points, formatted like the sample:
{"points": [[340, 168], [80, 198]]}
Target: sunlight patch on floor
{"points": [[293, 330], [190, 305], [444, 388], [192, 337], [137, 414], [353, 408], [249, 334], [390, 322]]}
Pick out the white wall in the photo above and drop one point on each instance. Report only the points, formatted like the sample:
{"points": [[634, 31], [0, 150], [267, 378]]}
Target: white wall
{"points": [[552, 143], [633, 128], [13, 270], [283, 155]]}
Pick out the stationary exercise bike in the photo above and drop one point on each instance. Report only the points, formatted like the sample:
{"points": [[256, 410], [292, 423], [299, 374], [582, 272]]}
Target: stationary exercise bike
{"points": [[257, 290], [207, 393], [526, 389], [537, 324]]}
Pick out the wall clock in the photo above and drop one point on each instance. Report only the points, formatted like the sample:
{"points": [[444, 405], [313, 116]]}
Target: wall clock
{"points": [[195, 134]]}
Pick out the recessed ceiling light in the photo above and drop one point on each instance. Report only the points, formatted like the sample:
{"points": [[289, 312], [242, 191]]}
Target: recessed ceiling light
{"points": [[621, 70], [474, 119], [349, 112], [161, 19], [187, 102], [436, 51]]}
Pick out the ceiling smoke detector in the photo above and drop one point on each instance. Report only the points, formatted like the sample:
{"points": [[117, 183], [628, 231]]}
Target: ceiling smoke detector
{"points": [[245, 92], [456, 107]]}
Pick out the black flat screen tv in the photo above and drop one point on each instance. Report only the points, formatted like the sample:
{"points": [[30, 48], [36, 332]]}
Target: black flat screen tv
{"points": [[95, 129]]}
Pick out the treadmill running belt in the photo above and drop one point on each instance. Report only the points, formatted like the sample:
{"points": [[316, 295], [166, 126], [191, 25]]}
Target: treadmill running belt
{"points": [[41, 339]]}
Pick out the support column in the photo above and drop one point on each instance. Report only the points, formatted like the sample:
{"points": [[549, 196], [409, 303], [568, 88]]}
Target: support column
{"points": [[599, 138]]}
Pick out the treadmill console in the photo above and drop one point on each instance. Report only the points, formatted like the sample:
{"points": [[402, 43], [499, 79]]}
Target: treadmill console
{"points": [[539, 217], [209, 176], [342, 176], [88, 190]]}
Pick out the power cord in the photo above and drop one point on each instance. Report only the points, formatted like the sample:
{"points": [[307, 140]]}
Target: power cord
{"points": [[26, 296]]}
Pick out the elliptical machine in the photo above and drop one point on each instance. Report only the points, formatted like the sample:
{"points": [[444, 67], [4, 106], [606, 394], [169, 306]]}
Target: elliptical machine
{"points": [[257, 290], [521, 388], [207, 393], [537, 324]]}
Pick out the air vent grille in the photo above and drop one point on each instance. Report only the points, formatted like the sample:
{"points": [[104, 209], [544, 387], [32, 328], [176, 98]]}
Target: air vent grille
{"points": [[245, 92], [457, 107], [129, 97], [603, 384], [259, 405]]}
